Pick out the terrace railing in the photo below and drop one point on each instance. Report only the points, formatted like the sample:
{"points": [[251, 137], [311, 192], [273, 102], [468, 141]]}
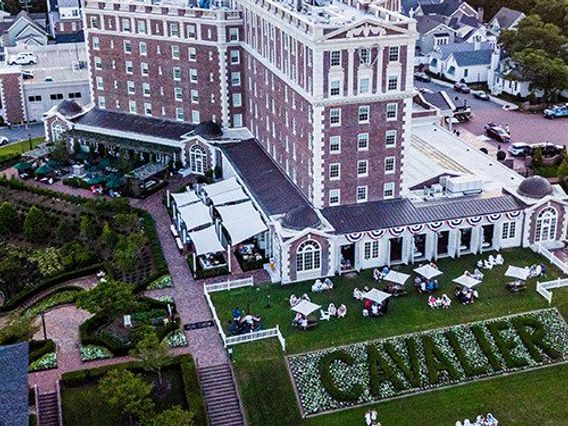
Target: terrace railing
{"points": [[229, 285], [544, 288], [540, 249]]}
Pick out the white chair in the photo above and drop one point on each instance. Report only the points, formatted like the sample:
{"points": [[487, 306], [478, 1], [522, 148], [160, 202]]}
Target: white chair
{"points": [[458, 423], [491, 259], [365, 313], [466, 422], [487, 265], [499, 259], [324, 316]]}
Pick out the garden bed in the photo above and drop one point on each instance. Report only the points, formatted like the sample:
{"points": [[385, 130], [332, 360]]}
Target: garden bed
{"points": [[344, 377]]}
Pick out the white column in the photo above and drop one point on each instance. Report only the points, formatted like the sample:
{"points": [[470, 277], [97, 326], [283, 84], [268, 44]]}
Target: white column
{"points": [[350, 71], [476, 239], [229, 257]]}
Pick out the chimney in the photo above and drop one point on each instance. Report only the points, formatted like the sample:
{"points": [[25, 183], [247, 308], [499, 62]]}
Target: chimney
{"points": [[480, 13]]}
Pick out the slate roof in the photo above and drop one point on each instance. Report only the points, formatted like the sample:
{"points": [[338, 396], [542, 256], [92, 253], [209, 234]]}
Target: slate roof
{"points": [[438, 100], [148, 126], [14, 385], [78, 37], [506, 17], [401, 211], [447, 49], [445, 8], [427, 23], [474, 57], [271, 188]]}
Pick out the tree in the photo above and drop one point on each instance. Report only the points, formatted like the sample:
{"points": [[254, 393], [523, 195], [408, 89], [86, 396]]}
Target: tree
{"points": [[9, 219], [60, 152], [175, 416], [109, 298], [65, 231], [20, 328], [128, 251], [87, 229], [563, 171], [36, 225], [548, 74], [107, 240], [153, 354], [537, 158], [128, 392], [126, 223]]}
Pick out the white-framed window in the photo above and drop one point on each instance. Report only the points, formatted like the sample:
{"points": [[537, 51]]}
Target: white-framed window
{"points": [[308, 256], [194, 96], [334, 197], [237, 120], [393, 82], [390, 138], [96, 43], [128, 67], [335, 58], [178, 93], [195, 117], [393, 54], [174, 29], [197, 159], [335, 88], [144, 69], [546, 225], [132, 107], [102, 102], [509, 230], [127, 46], [57, 131], [390, 165], [191, 33], [141, 27], [235, 57], [148, 108], [130, 87], [335, 144], [146, 89], [143, 48], [392, 111], [100, 83], [176, 73], [363, 114], [179, 114], [192, 54], [364, 85], [98, 63], [362, 168], [363, 141], [193, 75], [237, 100], [365, 56], [175, 52], [235, 79], [371, 250], [335, 117], [233, 34], [126, 25], [334, 171], [388, 190], [361, 194]]}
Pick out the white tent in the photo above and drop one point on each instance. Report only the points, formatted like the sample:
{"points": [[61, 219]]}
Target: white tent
{"points": [[195, 215], [305, 308], [205, 241], [396, 277], [466, 281], [376, 296], [185, 198], [232, 196], [220, 187], [241, 221], [428, 271], [518, 273]]}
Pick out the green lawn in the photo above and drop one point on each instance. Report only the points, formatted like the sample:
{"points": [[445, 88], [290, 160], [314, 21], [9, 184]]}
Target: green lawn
{"points": [[19, 147], [536, 397]]}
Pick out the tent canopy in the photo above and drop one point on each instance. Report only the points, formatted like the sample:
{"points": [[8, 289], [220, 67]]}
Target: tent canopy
{"points": [[428, 271], [232, 196], [396, 277], [466, 281], [241, 221], [220, 187], [22, 165], [517, 272], [195, 215], [305, 308], [185, 198], [205, 241], [376, 296]]}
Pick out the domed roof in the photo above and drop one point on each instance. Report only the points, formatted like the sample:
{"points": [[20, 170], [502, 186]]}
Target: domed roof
{"points": [[208, 130], [535, 187], [301, 217], [69, 108]]}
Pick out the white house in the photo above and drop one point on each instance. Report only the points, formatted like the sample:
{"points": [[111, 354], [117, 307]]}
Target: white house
{"points": [[505, 19], [468, 62]]}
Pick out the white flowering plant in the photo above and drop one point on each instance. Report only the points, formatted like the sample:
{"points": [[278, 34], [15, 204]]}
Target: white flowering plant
{"points": [[46, 362], [176, 339], [93, 352], [164, 281]]}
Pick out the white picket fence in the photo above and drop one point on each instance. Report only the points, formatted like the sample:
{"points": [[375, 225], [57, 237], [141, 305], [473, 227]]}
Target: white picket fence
{"points": [[241, 338], [540, 249], [544, 289]]}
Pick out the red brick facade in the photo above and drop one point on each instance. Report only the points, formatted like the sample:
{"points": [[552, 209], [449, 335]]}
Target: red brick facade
{"points": [[12, 97]]}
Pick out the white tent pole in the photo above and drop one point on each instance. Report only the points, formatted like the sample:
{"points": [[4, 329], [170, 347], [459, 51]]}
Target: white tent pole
{"points": [[229, 257], [168, 198], [194, 264]]}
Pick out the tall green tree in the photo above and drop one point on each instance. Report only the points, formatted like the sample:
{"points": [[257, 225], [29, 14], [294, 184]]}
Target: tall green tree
{"points": [[109, 298], [9, 219], [128, 251], [548, 74], [36, 226], [175, 416], [153, 354], [87, 229]]}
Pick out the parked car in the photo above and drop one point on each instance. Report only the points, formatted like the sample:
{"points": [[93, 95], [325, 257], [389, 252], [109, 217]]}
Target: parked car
{"points": [[461, 87], [27, 75], [480, 94], [556, 111], [425, 90], [498, 133], [422, 76], [23, 58], [4, 140], [519, 149], [547, 149]]}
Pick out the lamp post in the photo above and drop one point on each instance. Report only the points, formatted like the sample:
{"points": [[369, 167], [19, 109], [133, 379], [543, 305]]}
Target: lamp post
{"points": [[43, 326], [30, 140]]}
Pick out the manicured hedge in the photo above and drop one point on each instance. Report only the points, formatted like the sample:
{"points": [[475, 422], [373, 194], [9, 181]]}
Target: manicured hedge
{"points": [[327, 379], [193, 393], [154, 241], [76, 182], [38, 348]]}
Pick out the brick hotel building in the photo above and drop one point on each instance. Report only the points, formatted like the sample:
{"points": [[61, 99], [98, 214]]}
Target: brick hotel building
{"points": [[317, 118]]}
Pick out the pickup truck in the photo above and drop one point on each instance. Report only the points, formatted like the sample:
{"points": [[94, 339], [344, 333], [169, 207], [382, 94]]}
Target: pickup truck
{"points": [[556, 111]]}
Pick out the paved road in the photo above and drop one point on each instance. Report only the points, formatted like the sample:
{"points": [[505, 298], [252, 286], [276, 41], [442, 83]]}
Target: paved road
{"points": [[525, 127], [21, 133]]}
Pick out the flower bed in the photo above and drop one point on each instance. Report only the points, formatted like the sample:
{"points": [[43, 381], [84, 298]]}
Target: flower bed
{"points": [[164, 299], [162, 282], [176, 339], [56, 299], [368, 372], [46, 362], [93, 352]]}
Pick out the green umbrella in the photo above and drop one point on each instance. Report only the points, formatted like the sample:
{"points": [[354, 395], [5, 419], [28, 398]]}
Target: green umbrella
{"points": [[54, 163], [44, 170], [96, 180], [115, 183], [23, 166]]}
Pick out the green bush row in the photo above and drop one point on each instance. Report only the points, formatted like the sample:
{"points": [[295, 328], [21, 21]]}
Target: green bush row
{"points": [[38, 348], [154, 241], [193, 393], [76, 182], [327, 380]]}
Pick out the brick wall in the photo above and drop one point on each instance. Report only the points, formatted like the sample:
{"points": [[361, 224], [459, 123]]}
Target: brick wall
{"points": [[11, 96]]}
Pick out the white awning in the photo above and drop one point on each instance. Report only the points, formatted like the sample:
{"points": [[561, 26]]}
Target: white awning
{"points": [[241, 221], [517, 272], [466, 281], [205, 241], [232, 196], [305, 308], [185, 198], [195, 215], [220, 187], [376, 296], [428, 271], [396, 277]]}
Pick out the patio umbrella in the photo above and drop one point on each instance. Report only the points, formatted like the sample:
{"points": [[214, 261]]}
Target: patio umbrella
{"points": [[54, 163], [23, 165], [43, 170], [517, 273], [376, 296], [396, 277], [96, 180], [305, 308], [428, 271], [466, 281]]}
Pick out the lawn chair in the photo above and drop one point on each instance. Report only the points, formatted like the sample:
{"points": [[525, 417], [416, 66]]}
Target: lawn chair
{"points": [[324, 315]]}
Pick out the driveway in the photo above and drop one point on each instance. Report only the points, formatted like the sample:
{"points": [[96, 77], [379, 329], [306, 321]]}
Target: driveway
{"points": [[524, 127], [19, 133]]}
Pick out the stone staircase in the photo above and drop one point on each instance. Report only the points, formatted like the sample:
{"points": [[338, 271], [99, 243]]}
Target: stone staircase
{"points": [[48, 409], [221, 396]]}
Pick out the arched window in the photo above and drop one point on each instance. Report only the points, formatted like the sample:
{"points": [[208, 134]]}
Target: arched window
{"points": [[57, 131], [308, 256], [197, 159], [546, 225]]}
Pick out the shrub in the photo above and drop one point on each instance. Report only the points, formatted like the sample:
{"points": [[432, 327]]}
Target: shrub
{"points": [[195, 400], [36, 225], [327, 379], [39, 348], [62, 296], [9, 219], [76, 182]]}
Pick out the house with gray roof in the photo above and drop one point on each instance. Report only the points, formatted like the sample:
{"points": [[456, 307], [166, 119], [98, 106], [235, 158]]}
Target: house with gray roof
{"points": [[468, 62], [21, 30], [448, 9], [505, 19], [433, 32]]}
